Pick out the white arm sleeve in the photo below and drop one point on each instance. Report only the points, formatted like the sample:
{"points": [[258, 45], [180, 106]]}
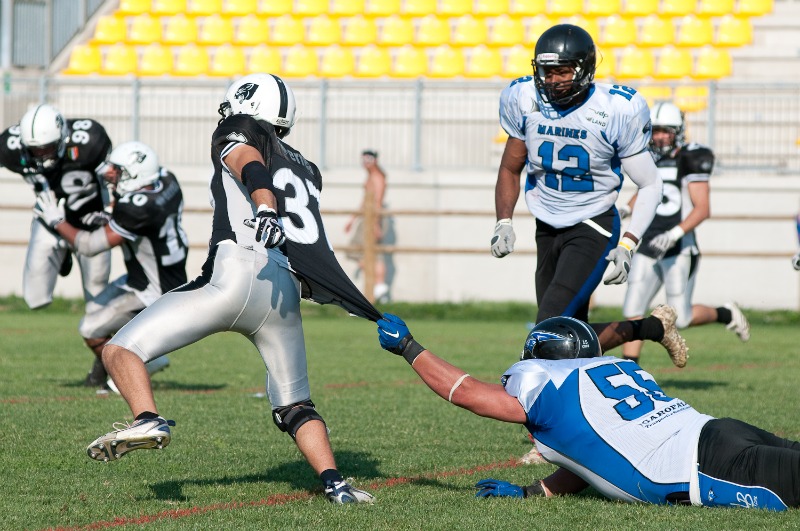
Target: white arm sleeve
{"points": [[91, 243], [642, 171]]}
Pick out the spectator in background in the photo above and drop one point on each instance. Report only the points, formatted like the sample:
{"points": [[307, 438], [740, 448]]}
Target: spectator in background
{"points": [[374, 191], [669, 255]]}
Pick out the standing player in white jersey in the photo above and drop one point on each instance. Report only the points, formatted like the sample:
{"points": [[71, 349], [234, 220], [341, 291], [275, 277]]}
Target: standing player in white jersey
{"points": [[574, 138], [669, 255], [268, 248], [607, 424], [147, 205]]}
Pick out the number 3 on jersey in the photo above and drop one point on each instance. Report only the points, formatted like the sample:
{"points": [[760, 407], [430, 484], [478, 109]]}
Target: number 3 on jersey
{"points": [[307, 231], [573, 178]]}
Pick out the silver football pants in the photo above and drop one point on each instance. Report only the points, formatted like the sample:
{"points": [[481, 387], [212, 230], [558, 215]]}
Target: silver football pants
{"points": [[647, 276]]}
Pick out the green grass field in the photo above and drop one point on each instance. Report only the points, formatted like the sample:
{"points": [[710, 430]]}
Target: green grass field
{"points": [[229, 467]]}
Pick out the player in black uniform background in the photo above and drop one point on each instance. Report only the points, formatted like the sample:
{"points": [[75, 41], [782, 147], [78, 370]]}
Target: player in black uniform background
{"points": [[668, 254], [268, 248], [147, 204]]}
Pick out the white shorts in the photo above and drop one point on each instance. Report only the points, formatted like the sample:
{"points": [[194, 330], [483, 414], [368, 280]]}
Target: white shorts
{"points": [[677, 275]]}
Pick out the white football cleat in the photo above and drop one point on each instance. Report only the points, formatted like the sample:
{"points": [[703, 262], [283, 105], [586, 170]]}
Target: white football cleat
{"points": [[152, 366], [739, 323], [141, 435], [341, 493]]}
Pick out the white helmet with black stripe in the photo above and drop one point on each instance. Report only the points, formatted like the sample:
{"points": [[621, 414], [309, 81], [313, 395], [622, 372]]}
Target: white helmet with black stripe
{"points": [[264, 97], [43, 134], [130, 167], [667, 116]]}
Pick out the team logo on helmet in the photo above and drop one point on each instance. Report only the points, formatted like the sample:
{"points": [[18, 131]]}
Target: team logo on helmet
{"points": [[138, 156], [245, 92], [538, 337]]}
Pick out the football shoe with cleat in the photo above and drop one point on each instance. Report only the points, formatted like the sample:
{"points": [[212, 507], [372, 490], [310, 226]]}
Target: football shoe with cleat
{"points": [[141, 435], [341, 492], [672, 340], [739, 323]]}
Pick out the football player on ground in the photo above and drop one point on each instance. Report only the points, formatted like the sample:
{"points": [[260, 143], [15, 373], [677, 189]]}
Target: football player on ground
{"points": [[668, 255], [268, 248], [53, 153], [607, 424], [573, 137], [147, 204]]}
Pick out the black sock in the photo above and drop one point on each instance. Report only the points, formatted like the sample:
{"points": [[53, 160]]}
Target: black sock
{"points": [[330, 477], [146, 415], [724, 315], [630, 358], [649, 328]]}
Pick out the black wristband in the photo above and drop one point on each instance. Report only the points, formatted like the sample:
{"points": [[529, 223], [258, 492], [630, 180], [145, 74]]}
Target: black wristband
{"points": [[532, 490], [408, 348], [255, 176]]}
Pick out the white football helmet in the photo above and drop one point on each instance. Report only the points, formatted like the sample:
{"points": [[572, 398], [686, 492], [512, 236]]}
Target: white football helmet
{"points": [[666, 115], [264, 97], [131, 166], [43, 135]]}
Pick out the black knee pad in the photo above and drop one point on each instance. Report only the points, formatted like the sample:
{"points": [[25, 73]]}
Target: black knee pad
{"points": [[290, 418]]}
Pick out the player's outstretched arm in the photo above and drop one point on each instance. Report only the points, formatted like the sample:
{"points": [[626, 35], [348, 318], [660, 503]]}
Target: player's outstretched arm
{"points": [[446, 380]]}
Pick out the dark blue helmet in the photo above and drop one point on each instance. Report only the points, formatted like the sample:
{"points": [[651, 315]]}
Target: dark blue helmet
{"points": [[564, 45], [561, 338]]}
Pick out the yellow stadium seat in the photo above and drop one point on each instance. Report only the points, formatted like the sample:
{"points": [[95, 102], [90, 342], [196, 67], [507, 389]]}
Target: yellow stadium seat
{"points": [[694, 32], [287, 30], [527, 8], [179, 30], [432, 31], [606, 65], [251, 31], [639, 8], [591, 25], [536, 26], [275, 8], [754, 8], [454, 8], [346, 8], [215, 30], [382, 8], [677, 8], [192, 60], [418, 8], [484, 62], [373, 61], [410, 62], [691, 98], [300, 62], [733, 31], [673, 63], [156, 60], [565, 8], [167, 8], [133, 7], [602, 8], [469, 31], [656, 31], [110, 29], [618, 32], [506, 31], [323, 31], [228, 61], [239, 8], [84, 59], [144, 29], [713, 63], [490, 8], [655, 93], [203, 8], [359, 31], [446, 62], [714, 8], [264, 59], [337, 61], [518, 62], [635, 63], [310, 8], [396, 31], [120, 59]]}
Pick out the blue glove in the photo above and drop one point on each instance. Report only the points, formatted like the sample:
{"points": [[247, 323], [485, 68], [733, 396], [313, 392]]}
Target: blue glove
{"points": [[495, 487], [394, 336]]}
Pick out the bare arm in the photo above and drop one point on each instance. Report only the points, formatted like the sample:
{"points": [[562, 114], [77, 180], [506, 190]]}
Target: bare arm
{"points": [[71, 234], [701, 210], [238, 159], [507, 189]]}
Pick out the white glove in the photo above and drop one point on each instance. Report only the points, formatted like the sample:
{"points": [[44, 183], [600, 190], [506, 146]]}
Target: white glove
{"points": [[663, 242], [621, 257], [96, 219], [269, 229], [503, 239], [49, 209], [624, 211], [796, 261]]}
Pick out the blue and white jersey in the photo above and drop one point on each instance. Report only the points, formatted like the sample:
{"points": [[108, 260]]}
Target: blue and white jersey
{"points": [[574, 169], [608, 421]]}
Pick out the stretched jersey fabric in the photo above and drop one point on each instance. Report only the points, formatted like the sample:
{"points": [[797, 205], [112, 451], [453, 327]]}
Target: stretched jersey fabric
{"points": [[686, 164], [574, 169], [156, 246], [297, 184], [73, 178], [609, 422]]}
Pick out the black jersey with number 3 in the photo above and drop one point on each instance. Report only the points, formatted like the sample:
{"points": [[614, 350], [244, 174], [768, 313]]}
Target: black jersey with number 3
{"points": [[297, 184]]}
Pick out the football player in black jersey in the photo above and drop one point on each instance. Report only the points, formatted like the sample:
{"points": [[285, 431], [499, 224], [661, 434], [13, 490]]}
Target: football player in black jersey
{"points": [[668, 254], [268, 248], [147, 204]]}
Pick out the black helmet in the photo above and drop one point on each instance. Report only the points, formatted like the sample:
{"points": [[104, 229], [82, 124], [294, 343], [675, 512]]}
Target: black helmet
{"points": [[564, 45], [561, 338]]}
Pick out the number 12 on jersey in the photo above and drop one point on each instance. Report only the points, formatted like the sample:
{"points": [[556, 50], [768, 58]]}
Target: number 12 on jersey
{"points": [[573, 178]]}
